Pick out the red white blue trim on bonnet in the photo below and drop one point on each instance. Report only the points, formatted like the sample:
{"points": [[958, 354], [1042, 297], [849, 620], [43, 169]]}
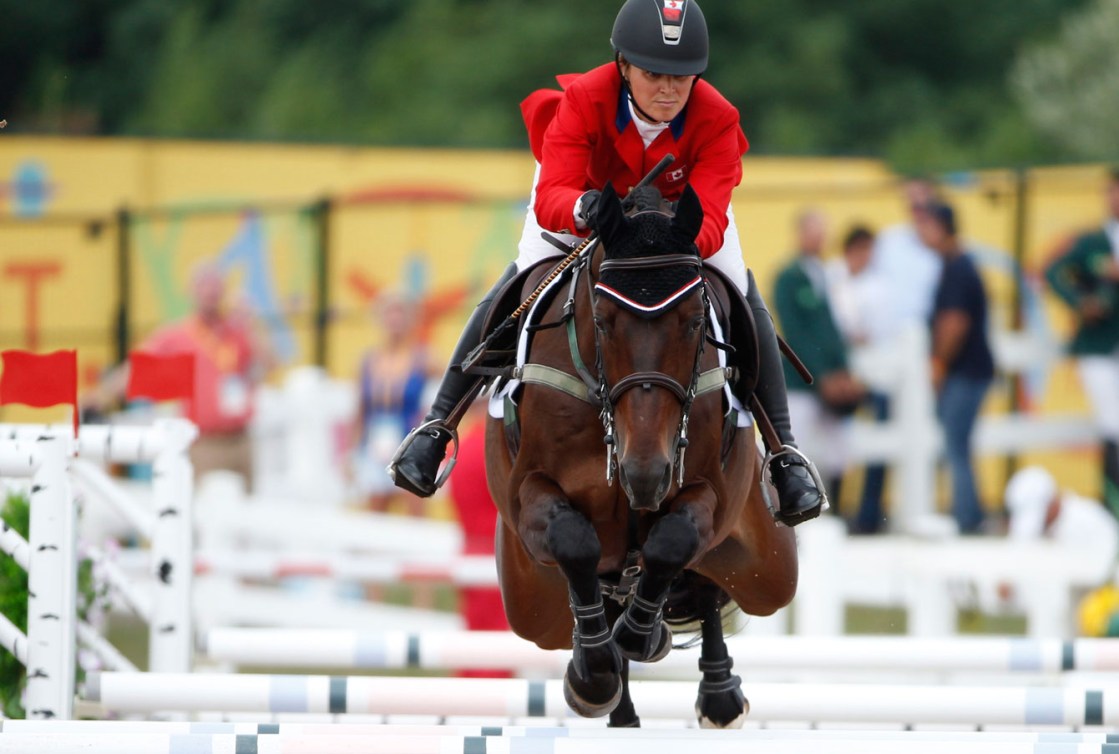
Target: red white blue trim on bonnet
{"points": [[660, 306]]}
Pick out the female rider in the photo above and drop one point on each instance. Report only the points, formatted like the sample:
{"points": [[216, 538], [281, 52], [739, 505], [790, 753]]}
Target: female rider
{"points": [[613, 124]]}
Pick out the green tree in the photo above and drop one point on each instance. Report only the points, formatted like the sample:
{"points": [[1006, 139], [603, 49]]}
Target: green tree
{"points": [[922, 83], [1069, 87]]}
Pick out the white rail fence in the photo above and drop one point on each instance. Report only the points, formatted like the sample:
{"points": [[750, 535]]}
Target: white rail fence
{"points": [[911, 441], [52, 466]]}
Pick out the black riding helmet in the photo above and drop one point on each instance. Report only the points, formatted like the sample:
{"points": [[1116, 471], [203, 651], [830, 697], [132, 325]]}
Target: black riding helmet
{"points": [[662, 36]]}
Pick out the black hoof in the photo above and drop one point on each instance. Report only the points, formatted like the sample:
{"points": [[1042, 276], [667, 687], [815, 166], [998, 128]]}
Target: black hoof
{"points": [[595, 697], [723, 708]]}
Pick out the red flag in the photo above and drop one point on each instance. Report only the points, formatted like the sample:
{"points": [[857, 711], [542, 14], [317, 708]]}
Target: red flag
{"points": [[40, 380], [161, 377]]}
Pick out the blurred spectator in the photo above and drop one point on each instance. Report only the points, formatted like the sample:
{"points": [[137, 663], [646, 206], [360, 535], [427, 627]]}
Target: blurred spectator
{"points": [[230, 362], [962, 364], [860, 301], [391, 380], [1039, 509], [481, 607], [910, 267], [818, 411], [1087, 278]]}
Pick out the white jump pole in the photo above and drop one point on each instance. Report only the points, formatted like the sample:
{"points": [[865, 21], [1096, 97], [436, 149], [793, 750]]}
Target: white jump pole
{"points": [[497, 650], [564, 741], [13, 640], [965, 705], [52, 571], [15, 546], [605, 744], [374, 731], [462, 571]]}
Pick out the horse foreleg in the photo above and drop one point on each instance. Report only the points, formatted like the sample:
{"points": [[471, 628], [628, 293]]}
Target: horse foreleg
{"points": [[641, 633], [557, 532], [720, 703]]}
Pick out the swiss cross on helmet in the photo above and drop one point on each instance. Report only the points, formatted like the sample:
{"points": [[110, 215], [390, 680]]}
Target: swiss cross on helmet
{"points": [[662, 36]]}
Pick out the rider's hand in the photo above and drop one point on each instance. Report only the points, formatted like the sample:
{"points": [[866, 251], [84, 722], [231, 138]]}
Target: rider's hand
{"points": [[586, 212]]}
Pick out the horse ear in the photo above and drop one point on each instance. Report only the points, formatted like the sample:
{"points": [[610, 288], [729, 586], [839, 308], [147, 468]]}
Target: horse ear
{"points": [[689, 214], [611, 217]]}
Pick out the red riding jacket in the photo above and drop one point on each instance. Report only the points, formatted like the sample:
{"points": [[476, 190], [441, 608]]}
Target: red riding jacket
{"points": [[584, 137]]}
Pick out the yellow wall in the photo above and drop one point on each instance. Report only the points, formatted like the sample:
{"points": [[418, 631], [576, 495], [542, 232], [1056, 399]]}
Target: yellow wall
{"points": [[442, 250]]}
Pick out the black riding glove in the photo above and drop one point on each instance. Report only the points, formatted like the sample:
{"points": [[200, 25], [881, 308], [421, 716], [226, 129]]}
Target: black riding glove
{"points": [[588, 208]]}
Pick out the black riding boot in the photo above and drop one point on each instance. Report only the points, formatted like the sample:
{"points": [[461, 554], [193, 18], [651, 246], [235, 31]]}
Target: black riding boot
{"points": [[801, 497], [416, 466]]}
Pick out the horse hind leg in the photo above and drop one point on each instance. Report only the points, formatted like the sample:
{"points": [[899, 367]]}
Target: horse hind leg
{"points": [[593, 684], [624, 715], [720, 703]]}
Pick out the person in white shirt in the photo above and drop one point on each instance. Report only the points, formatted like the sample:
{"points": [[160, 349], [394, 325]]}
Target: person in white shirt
{"points": [[1039, 509], [861, 302], [859, 293], [911, 269]]}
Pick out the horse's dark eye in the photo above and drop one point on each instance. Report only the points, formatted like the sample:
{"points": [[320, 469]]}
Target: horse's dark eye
{"points": [[600, 325], [697, 324]]}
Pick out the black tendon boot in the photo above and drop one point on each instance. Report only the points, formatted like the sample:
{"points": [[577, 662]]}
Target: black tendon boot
{"points": [[416, 465], [799, 490]]}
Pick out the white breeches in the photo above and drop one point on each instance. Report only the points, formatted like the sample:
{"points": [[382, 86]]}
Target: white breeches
{"points": [[1100, 377]]}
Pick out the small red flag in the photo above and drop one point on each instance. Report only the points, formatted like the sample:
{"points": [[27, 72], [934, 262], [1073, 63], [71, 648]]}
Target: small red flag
{"points": [[40, 380], [160, 377]]}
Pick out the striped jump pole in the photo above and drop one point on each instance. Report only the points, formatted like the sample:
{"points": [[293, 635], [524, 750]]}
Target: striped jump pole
{"points": [[551, 741], [512, 698], [586, 729], [454, 650]]}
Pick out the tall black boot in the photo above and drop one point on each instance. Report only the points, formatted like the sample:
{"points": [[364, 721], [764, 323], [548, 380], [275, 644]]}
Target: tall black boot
{"points": [[799, 490], [1111, 476], [416, 465]]}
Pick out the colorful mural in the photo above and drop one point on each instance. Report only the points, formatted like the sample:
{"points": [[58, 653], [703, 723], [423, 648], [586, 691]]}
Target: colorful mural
{"points": [[435, 225]]}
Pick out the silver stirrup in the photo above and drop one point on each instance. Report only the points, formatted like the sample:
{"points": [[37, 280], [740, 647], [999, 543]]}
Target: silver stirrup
{"points": [[767, 480], [406, 443]]}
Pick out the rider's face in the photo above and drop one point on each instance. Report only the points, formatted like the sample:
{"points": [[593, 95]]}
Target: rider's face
{"points": [[658, 94]]}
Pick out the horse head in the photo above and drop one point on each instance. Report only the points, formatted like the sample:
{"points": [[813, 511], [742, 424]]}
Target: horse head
{"points": [[650, 319]]}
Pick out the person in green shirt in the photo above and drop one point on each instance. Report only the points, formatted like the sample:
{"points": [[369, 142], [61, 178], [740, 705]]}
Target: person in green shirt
{"points": [[1086, 277], [818, 411]]}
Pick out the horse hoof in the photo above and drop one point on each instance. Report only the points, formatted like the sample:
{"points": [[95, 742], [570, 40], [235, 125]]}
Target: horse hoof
{"points": [[639, 647], [722, 711], [581, 703]]}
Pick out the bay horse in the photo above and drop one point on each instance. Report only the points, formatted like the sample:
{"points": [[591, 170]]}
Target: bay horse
{"points": [[625, 478]]}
